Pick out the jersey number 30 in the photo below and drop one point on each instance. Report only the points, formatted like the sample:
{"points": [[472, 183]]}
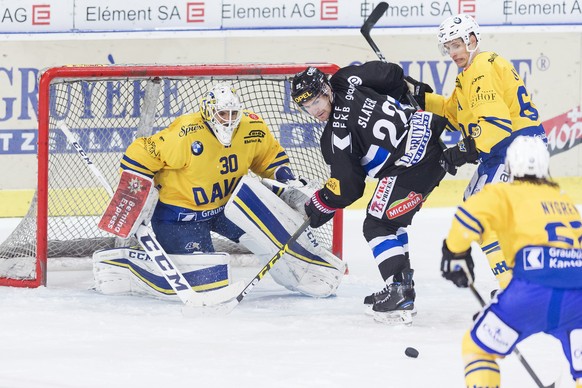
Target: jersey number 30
{"points": [[229, 164]]}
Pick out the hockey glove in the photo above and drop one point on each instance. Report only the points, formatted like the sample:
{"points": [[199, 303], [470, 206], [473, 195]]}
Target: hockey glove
{"points": [[457, 267], [448, 167], [418, 90], [284, 174], [318, 212], [464, 152]]}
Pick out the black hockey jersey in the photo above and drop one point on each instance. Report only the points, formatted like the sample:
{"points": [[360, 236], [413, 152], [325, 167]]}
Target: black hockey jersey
{"points": [[370, 133]]}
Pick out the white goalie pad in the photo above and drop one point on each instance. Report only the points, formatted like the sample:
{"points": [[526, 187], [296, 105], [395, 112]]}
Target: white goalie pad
{"points": [[269, 222], [132, 204], [128, 271]]}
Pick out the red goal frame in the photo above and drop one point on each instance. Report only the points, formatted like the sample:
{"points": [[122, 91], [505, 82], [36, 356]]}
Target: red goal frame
{"points": [[89, 72]]}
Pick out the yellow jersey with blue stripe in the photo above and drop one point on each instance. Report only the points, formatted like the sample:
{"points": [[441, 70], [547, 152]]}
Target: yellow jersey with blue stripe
{"points": [[534, 223], [193, 170], [489, 102]]}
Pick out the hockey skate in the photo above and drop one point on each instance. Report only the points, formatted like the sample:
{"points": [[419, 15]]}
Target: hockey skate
{"points": [[395, 303]]}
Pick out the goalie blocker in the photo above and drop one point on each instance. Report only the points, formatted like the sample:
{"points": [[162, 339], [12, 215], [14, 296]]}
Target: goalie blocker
{"points": [[268, 221], [132, 204]]}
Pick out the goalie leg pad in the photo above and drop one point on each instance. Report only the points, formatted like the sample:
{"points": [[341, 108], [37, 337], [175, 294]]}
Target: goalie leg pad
{"points": [[269, 222], [127, 271]]}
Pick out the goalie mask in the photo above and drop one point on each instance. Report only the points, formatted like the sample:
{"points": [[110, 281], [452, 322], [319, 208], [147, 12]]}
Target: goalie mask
{"points": [[528, 156], [455, 27], [311, 91], [222, 110]]}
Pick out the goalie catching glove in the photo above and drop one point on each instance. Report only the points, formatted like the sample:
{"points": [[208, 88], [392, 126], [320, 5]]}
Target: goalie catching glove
{"points": [[457, 267], [293, 191]]}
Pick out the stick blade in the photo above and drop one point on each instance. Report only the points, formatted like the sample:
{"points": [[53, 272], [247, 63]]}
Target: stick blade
{"points": [[376, 14], [215, 297], [216, 310]]}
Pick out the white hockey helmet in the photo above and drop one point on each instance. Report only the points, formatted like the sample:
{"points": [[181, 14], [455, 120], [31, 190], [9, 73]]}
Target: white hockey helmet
{"points": [[458, 26], [528, 156], [222, 110]]}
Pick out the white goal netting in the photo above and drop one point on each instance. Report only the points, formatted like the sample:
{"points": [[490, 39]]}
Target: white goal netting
{"points": [[106, 108]]}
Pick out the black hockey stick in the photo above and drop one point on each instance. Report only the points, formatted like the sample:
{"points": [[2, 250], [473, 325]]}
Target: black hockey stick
{"points": [[516, 351], [367, 28], [370, 23], [231, 304]]}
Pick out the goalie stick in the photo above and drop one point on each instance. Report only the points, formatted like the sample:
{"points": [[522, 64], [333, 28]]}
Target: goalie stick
{"points": [[516, 351], [154, 250], [228, 306], [366, 28]]}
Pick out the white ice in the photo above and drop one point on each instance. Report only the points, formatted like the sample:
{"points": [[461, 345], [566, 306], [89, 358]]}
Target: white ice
{"points": [[67, 336]]}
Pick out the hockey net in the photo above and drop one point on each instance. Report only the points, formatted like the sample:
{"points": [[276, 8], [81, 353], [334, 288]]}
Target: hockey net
{"points": [[106, 108]]}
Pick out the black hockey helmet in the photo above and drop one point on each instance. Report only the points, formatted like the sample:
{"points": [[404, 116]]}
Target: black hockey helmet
{"points": [[308, 84]]}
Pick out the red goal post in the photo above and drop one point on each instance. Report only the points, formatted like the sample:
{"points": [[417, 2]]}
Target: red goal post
{"points": [[106, 107]]}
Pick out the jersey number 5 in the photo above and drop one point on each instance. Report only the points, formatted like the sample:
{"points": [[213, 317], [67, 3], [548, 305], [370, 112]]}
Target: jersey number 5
{"points": [[553, 235], [526, 108]]}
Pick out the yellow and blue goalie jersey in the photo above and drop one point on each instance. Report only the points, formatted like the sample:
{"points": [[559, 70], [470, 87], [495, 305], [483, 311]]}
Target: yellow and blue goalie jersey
{"points": [[193, 170], [539, 229], [490, 103]]}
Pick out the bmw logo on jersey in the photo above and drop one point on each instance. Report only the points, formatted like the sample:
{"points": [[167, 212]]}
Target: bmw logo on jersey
{"points": [[197, 148]]}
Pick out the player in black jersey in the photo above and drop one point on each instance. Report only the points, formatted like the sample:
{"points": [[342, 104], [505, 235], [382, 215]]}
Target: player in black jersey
{"points": [[370, 133]]}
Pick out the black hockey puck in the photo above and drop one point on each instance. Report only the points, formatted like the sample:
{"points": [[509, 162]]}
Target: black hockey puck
{"points": [[411, 352]]}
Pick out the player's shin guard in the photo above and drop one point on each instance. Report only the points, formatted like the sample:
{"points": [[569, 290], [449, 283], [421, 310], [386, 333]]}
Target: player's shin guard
{"points": [[481, 369]]}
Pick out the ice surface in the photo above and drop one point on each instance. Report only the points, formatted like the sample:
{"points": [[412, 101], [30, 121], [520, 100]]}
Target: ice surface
{"points": [[67, 336]]}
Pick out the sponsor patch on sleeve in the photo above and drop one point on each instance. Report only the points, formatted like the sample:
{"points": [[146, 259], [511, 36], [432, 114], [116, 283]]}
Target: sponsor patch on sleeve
{"points": [[333, 185]]}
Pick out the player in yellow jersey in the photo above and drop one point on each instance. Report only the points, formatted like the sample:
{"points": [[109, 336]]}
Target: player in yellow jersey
{"points": [[540, 234], [490, 104], [196, 163]]}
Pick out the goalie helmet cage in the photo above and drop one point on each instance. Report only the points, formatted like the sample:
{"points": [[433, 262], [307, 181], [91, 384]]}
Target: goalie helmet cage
{"points": [[107, 107]]}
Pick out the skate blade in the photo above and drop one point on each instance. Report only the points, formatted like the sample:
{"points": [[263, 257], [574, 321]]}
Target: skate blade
{"points": [[369, 310], [397, 317]]}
